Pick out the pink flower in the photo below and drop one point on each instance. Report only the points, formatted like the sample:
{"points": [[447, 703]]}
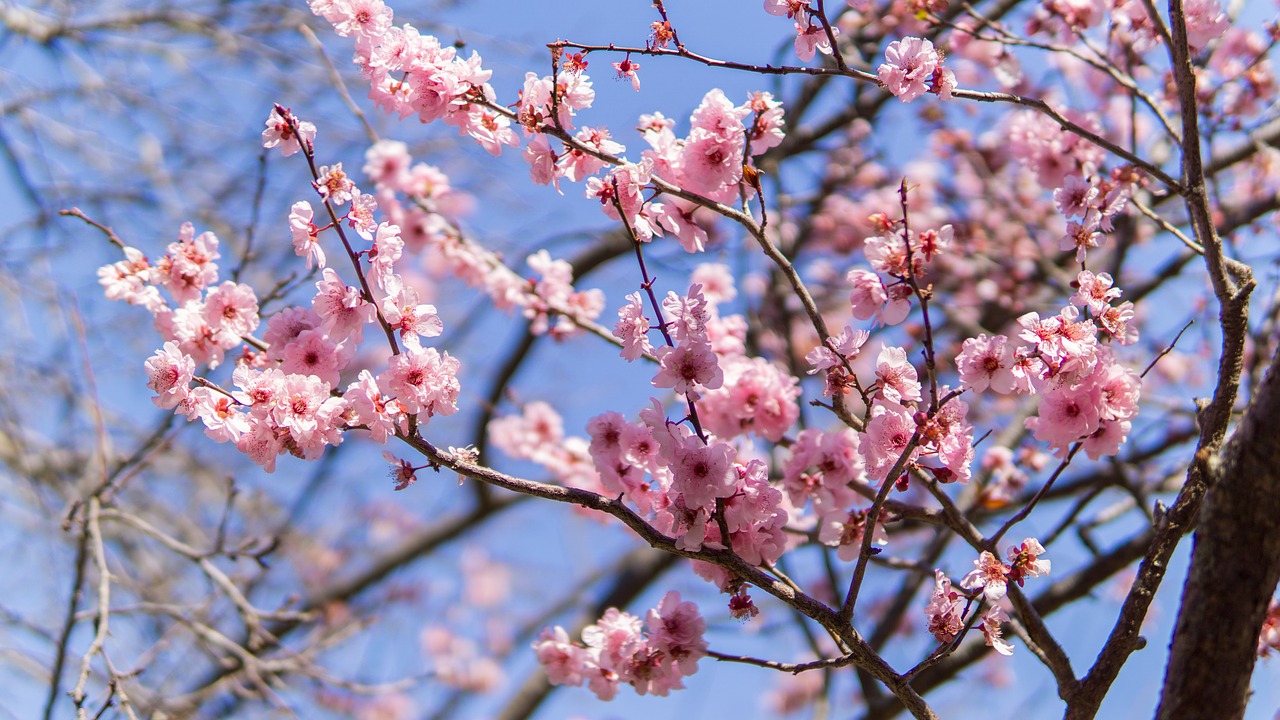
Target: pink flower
{"points": [[311, 416], [888, 434], [908, 68], [718, 117], [285, 326], [687, 316], [945, 609], [768, 129], [387, 162], [1118, 322], [991, 631], [263, 442], [1025, 562], [987, 362], [821, 468], [360, 214], [131, 280], [367, 406], [716, 281], [1066, 415], [261, 390], [280, 132], [688, 366], [1082, 235], [812, 37], [231, 310], [366, 19], [703, 473], [424, 381], [898, 379], [756, 396], [1095, 292], [188, 267], [627, 69], [315, 353], [306, 236], [404, 313], [1205, 21], [676, 628], [1076, 196], [577, 165], [870, 298], [787, 8], [632, 327], [223, 422], [563, 661], [169, 374], [990, 575], [542, 162], [341, 308], [387, 248], [333, 184], [710, 162]]}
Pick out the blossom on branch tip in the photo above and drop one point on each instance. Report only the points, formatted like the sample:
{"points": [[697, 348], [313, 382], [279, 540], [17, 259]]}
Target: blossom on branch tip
{"points": [[280, 132], [627, 69]]}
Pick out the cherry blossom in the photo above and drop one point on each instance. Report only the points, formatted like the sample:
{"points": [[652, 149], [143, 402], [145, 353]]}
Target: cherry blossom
{"points": [[280, 132], [423, 381], [909, 69], [306, 236], [169, 374], [945, 609], [632, 327], [987, 362], [991, 631], [989, 575]]}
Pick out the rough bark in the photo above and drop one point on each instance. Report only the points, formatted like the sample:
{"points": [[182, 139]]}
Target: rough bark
{"points": [[1235, 565]]}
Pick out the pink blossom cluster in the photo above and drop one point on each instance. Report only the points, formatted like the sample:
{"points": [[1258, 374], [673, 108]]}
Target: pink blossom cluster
{"points": [[707, 161], [990, 577], [1067, 19], [811, 33], [286, 396], [1048, 152], [1085, 393], [834, 359], [1245, 79], [670, 475], [459, 662], [537, 435], [970, 42], [912, 67], [652, 655], [890, 254], [1091, 205], [413, 74]]}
